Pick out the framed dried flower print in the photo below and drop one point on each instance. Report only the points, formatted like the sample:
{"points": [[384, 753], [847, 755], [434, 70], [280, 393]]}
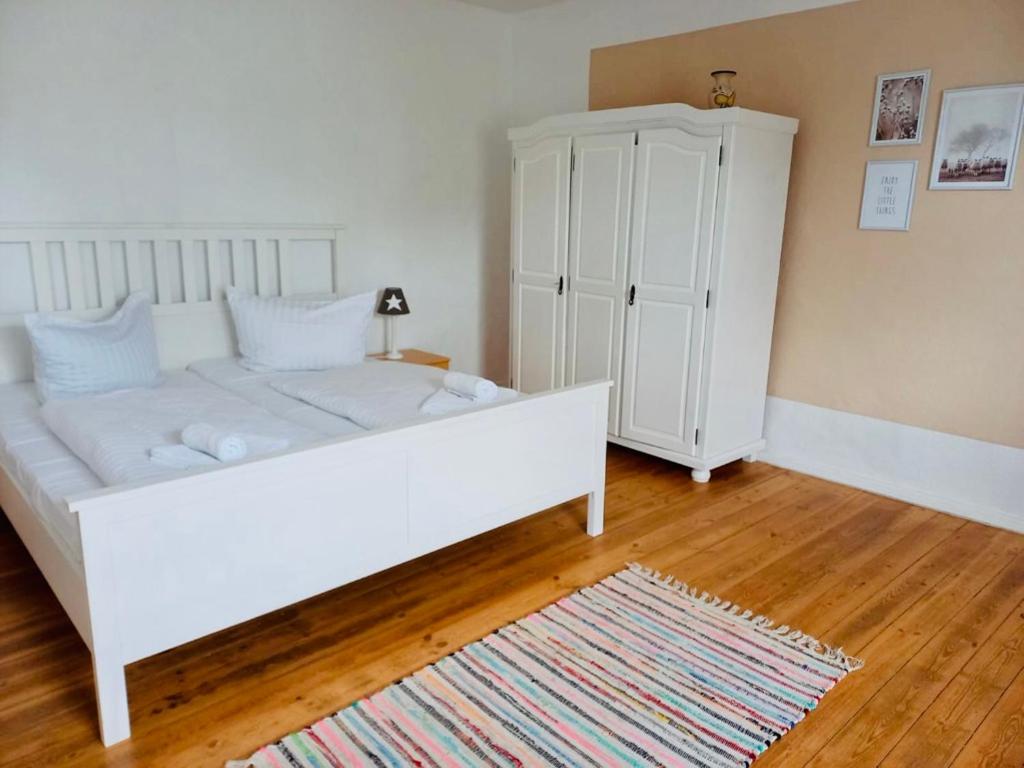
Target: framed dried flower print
{"points": [[900, 102]]}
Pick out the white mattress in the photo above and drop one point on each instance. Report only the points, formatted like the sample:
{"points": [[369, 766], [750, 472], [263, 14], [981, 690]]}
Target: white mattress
{"points": [[43, 467], [257, 388]]}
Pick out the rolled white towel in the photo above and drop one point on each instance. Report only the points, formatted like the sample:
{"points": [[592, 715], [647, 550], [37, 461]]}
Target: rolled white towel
{"points": [[474, 387], [223, 446]]}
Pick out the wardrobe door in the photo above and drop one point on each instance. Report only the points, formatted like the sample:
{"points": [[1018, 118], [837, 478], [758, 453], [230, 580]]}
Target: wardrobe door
{"points": [[540, 230], [670, 254], [602, 182]]}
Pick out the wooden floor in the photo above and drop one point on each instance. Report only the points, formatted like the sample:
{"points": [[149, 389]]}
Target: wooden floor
{"points": [[932, 604]]}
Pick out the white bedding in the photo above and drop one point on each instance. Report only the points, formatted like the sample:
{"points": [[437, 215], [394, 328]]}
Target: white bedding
{"points": [[105, 440], [257, 388], [113, 433], [375, 394], [44, 468]]}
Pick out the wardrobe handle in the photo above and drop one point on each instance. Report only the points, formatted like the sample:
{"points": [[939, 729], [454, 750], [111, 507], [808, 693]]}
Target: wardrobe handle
{"points": [[561, 282], [632, 294]]}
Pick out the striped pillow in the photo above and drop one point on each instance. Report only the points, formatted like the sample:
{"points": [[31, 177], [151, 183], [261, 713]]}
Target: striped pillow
{"points": [[281, 334], [74, 357]]}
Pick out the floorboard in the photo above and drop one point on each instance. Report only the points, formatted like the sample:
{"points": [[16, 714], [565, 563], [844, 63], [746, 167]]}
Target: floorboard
{"points": [[933, 604]]}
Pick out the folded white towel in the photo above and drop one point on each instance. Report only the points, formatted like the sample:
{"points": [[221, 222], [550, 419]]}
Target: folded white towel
{"points": [[223, 446], [445, 401], [180, 457], [474, 387]]}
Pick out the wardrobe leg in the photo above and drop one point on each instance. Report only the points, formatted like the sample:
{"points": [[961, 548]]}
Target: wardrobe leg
{"points": [[700, 475], [750, 458]]}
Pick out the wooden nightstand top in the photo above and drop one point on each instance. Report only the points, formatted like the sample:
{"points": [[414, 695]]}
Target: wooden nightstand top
{"points": [[419, 357]]}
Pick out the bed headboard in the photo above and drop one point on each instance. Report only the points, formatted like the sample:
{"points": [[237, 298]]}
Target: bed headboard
{"points": [[86, 270]]}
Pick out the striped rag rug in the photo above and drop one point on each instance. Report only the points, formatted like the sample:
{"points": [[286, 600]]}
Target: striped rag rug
{"points": [[635, 670]]}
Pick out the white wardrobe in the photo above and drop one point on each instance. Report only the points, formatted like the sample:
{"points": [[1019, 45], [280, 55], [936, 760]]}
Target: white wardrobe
{"points": [[645, 250]]}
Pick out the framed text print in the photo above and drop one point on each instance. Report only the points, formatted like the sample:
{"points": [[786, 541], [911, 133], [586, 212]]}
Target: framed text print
{"points": [[979, 138], [888, 194]]}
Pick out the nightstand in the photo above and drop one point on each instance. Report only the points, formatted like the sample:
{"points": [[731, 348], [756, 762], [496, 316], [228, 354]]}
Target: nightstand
{"points": [[419, 357]]}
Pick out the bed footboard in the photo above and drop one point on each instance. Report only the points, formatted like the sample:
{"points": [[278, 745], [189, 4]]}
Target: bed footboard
{"points": [[171, 562]]}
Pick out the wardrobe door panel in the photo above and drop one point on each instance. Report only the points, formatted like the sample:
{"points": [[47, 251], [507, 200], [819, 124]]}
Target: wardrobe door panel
{"points": [[671, 244], [593, 320], [537, 320], [662, 337], [598, 245], [540, 227], [670, 254], [599, 190], [542, 220]]}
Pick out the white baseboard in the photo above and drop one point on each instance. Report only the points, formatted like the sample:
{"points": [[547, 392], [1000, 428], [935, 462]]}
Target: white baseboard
{"points": [[969, 478]]}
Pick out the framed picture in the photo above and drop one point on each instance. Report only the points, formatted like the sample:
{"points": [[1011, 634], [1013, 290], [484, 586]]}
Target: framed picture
{"points": [[888, 194], [900, 102], [978, 138]]}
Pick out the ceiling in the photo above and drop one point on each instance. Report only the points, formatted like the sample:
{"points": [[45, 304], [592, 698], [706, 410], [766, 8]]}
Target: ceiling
{"points": [[511, 6]]}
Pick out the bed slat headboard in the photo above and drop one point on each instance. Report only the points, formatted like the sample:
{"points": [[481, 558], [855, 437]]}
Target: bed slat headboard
{"points": [[86, 270]]}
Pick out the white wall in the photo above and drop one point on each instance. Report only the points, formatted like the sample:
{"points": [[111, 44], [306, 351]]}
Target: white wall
{"points": [[386, 116]]}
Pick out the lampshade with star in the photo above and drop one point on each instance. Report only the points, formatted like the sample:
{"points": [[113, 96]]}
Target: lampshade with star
{"points": [[392, 304]]}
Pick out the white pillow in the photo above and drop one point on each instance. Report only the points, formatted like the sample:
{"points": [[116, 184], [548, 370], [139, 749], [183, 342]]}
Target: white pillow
{"points": [[77, 357], [282, 334]]}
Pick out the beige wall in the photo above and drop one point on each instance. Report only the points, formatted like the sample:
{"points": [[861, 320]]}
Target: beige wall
{"points": [[923, 327]]}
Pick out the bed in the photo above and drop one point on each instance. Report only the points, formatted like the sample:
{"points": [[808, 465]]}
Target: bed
{"points": [[144, 567]]}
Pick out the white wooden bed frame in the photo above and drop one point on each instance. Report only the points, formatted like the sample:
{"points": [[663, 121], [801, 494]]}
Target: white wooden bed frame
{"points": [[169, 562]]}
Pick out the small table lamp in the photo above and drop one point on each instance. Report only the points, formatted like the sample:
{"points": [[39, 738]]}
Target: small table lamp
{"points": [[392, 304]]}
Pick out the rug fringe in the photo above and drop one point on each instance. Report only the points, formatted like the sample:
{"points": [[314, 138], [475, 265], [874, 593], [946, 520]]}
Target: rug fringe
{"points": [[793, 637]]}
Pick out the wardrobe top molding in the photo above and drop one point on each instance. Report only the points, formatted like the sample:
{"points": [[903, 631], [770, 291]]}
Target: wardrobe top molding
{"points": [[655, 116]]}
